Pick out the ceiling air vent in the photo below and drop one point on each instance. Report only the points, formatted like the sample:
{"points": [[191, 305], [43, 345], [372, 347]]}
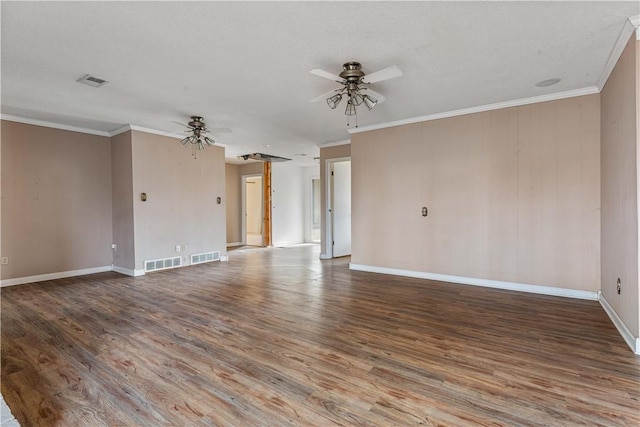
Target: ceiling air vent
{"points": [[92, 80], [263, 157]]}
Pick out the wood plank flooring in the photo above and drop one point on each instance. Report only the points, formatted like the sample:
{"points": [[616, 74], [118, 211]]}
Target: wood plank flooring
{"points": [[276, 337]]}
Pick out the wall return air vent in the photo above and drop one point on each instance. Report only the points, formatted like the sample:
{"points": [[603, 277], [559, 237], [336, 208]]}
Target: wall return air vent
{"points": [[205, 257], [162, 264]]}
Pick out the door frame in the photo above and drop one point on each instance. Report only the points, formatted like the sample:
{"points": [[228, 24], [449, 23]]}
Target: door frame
{"points": [[243, 212], [309, 230], [328, 244]]}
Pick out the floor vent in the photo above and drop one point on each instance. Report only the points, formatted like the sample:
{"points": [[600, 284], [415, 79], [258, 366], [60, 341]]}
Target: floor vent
{"points": [[205, 257], [162, 264]]}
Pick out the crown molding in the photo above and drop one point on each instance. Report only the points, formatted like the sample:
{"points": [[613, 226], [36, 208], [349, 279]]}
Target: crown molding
{"points": [[44, 123], [635, 21], [481, 108], [113, 133], [628, 29], [123, 129], [147, 130], [137, 128], [335, 143]]}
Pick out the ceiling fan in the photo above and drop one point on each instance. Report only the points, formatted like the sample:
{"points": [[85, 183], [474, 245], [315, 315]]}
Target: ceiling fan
{"points": [[198, 131], [354, 86]]}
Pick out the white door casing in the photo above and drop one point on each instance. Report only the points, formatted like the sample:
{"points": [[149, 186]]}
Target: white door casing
{"points": [[341, 208]]}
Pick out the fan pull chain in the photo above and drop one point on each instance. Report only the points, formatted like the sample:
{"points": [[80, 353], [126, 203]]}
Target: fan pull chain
{"points": [[348, 117]]}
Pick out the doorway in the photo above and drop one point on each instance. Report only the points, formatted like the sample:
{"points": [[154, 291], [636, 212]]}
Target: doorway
{"points": [[339, 203], [252, 210], [316, 211]]}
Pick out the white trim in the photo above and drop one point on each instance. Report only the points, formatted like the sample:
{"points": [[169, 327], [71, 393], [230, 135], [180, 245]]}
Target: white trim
{"points": [[481, 108], [230, 244], [120, 130], [224, 258], [131, 127], [128, 271], [109, 134], [156, 132], [498, 284], [632, 342], [635, 21], [335, 143], [324, 256], [328, 244], [46, 124], [621, 43], [53, 276]]}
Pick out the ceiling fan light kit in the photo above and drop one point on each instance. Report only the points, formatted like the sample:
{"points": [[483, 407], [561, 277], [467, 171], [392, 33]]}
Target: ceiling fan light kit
{"points": [[198, 138], [355, 82]]}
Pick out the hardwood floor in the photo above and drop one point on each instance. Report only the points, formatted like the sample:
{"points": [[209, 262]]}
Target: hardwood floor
{"points": [[276, 337]]}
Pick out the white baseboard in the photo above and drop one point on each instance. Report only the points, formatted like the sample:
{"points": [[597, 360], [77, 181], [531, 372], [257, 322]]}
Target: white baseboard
{"points": [[231, 244], [53, 276], [224, 258], [632, 342], [128, 271], [511, 286], [324, 256]]}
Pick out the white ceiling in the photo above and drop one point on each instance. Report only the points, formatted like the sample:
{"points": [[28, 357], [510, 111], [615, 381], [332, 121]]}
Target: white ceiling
{"points": [[245, 65]]}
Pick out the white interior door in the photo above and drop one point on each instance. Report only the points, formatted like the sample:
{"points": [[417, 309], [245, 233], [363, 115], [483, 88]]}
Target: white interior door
{"points": [[341, 208]]}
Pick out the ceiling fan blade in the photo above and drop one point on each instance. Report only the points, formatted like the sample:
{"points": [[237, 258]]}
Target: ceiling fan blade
{"points": [[220, 130], [385, 74], [325, 95], [378, 96], [181, 124], [327, 75]]}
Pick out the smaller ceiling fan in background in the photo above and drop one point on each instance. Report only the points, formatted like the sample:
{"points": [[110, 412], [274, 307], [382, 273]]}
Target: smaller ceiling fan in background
{"points": [[198, 134], [355, 87]]}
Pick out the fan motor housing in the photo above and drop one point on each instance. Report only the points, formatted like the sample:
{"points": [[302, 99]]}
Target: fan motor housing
{"points": [[196, 122], [352, 72]]}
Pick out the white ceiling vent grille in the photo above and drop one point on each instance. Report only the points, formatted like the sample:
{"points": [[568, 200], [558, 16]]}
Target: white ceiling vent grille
{"points": [[92, 80], [205, 257], [162, 264]]}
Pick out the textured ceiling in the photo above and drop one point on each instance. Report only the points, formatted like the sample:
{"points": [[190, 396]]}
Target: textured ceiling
{"points": [[245, 65]]}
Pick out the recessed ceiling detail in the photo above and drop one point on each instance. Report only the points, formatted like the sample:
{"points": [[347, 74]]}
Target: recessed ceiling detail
{"points": [[263, 157], [549, 82]]}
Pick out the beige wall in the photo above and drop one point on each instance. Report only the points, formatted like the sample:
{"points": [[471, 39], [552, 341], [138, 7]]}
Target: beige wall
{"points": [[233, 188], [328, 153], [56, 207], [619, 164], [181, 205], [122, 196], [513, 195]]}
